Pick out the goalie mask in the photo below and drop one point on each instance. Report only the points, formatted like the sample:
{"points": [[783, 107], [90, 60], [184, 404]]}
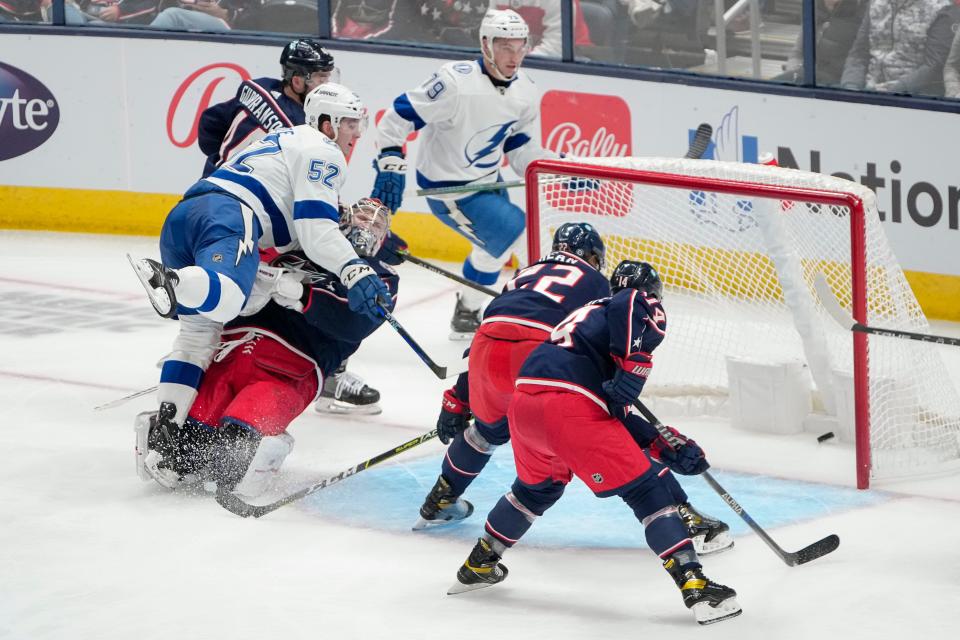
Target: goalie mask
{"points": [[365, 224], [632, 274]]}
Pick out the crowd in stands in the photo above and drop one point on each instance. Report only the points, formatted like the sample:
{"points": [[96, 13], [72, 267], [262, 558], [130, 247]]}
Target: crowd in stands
{"points": [[896, 46]]}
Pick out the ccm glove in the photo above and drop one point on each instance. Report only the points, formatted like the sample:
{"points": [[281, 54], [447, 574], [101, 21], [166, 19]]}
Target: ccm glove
{"points": [[365, 290], [273, 283], [682, 455], [454, 416], [391, 179]]}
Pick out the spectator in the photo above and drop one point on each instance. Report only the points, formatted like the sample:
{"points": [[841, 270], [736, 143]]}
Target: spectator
{"points": [[20, 11], [951, 72], [121, 11], [667, 33], [546, 31], [200, 15], [39, 11], [449, 22], [837, 25], [900, 47]]}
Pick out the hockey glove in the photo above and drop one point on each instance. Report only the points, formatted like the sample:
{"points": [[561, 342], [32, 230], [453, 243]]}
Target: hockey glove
{"points": [[454, 416], [280, 285], [623, 389], [365, 290], [391, 179], [681, 454], [390, 251]]}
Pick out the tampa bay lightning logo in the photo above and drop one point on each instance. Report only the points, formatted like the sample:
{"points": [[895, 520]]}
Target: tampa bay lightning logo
{"points": [[483, 150]]}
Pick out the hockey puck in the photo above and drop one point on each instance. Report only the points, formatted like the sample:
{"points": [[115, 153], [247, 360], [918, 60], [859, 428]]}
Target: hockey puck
{"points": [[825, 437]]}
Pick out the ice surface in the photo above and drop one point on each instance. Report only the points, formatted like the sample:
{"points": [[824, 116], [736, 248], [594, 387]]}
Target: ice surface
{"points": [[89, 551]]}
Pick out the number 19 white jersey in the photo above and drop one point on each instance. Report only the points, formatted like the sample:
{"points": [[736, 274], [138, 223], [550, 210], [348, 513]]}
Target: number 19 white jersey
{"points": [[467, 123]]}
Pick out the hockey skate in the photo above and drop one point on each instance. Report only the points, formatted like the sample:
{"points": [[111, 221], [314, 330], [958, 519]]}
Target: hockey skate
{"points": [[442, 507], [171, 455], [709, 535], [159, 283], [481, 569], [465, 322], [710, 602], [346, 392]]}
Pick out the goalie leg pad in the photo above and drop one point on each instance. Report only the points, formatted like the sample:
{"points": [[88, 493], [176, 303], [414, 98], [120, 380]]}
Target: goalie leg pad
{"points": [[265, 465]]}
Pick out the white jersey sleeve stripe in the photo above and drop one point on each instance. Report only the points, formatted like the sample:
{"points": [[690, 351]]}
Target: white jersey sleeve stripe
{"points": [[406, 111], [315, 209]]}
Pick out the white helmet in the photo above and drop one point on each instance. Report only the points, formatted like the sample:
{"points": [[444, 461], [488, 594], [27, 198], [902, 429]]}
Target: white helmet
{"points": [[336, 102], [501, 24]]}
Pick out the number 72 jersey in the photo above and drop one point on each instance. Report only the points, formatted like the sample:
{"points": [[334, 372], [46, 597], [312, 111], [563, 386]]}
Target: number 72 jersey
{"points": [[543, 294]]}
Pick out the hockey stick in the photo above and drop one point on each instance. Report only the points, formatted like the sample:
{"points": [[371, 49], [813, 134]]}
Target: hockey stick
{"points": [[698, 146], [808, 553], [125, 399], [470, 188], [440, 372], [406, 255], [232, 503], [845, 320], [701, 140]]}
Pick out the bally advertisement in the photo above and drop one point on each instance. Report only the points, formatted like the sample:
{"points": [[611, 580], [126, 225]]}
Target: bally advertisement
{"points": [[103, 138]]}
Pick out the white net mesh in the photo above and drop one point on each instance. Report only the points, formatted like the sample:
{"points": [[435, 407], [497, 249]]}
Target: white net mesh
{"points": [[738, 273]]}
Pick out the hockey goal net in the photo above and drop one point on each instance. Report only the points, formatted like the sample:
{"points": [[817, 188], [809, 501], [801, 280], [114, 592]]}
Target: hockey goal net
{"points": [[738, 247]]}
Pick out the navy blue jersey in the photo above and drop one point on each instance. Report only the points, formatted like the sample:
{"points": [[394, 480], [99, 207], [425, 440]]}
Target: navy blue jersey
{"points": [[260, 107], [594, 341], [544, 293], [327, 331]]}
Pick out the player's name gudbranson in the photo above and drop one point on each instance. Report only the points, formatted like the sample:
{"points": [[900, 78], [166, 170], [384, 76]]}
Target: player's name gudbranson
{"points": [[260, 109]]}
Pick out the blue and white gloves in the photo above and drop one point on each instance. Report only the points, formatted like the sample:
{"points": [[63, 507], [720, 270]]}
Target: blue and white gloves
{"points": [[391, 180], [365, 290]]}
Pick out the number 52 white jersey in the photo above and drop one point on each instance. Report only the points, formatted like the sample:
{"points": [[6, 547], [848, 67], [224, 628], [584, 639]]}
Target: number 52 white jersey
{"points": [[291, 180]]}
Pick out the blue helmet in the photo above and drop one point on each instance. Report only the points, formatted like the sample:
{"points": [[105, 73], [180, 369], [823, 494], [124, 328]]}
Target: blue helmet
{"points": [[632, 274], [580, 239]]}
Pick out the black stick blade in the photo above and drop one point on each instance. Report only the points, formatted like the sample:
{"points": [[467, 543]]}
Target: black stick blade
{"points": [[817, 549], [235, 505], [701, 140]]}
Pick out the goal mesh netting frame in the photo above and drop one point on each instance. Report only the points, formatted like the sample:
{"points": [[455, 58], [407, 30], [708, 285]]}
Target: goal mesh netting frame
{"points": [[738, 247]]}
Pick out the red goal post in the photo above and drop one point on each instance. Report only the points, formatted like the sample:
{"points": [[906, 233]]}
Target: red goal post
{"points": [[731, 235]]}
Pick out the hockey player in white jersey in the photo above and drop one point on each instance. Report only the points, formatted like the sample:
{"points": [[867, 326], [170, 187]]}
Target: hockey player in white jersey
{"points": [[281, 192], [470, 114]]}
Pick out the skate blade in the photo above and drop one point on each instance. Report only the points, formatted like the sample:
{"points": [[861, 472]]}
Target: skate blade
{"points": [[705, 614], [462, 335], [458, 587], [336, 407], [158, 297], [720, 543], [423, 523]]}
